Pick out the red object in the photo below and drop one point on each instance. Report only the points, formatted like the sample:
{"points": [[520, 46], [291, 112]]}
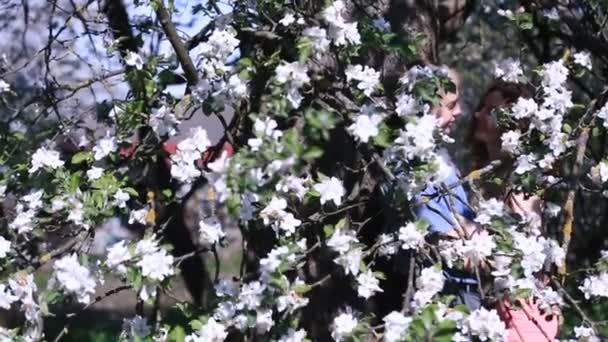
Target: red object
{"points": [[528, 323]]}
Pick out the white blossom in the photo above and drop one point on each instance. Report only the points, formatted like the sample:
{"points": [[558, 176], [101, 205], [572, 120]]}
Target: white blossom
{"points": [[6, 297], [264, 320], [287, 19], [410, 236], [478, 247], [595, 286], [5, 247], [524, 108], [212, 331], [367, 77], [340, 31], [121, 198], [365, 126], [293, 336], [4, 86], [583, 58], [555, 74], [585, 334], [118, 253], [251, 294], [318, 36], [104, 147], [486, 325], [136, 327], [330, 189], [210, 230], [163, 121], [156, 266], [368, 284], [350, 261], [406, 105], [94, 173], [135, 60], [340, 241], [343, 325], [428, 284], [75, 278], [45, 158], [508, 70], [138, 216], [395, 324], [511, 141]]}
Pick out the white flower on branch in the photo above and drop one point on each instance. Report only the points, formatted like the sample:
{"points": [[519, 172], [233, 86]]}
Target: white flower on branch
{"points": [[75, 278], [367, 77], [135, 60], [157, 265], [583, 58], [343, 325], [331, 189], [44, 157], [368, 284], [104, 147], [395, 324], [508, 70], [366, 126], [410, 236], [210, 230], [340, 31]]}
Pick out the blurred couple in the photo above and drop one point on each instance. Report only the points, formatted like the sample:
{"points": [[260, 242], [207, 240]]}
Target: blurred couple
{"points": [[450, 216]]}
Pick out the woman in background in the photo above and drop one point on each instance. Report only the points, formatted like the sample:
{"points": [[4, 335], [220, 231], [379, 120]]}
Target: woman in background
{"points": [[528, 323]]}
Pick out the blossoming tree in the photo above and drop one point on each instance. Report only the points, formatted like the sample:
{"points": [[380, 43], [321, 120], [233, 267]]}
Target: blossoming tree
{"points": [[326, 137]]}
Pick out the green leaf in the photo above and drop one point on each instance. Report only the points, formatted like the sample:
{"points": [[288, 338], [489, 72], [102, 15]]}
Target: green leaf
{"points": [[81, 157], [312, 153], [384, 137], [328, 230], [178, 334]]}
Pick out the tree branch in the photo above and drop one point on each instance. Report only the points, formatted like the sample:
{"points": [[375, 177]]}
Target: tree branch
{"points": [[176, 42]]}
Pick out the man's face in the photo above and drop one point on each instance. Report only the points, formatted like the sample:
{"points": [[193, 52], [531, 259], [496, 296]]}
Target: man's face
{"points": [[448, 110]]}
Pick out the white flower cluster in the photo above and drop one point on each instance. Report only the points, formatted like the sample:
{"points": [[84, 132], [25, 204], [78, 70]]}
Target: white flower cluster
{"points": [[367, 78], [75, 278], [341, 32], [545, 117], [294, 76], [189, 150], [488, 209], [211, 331], [508, 70], [365, 125], [428, 284], [485, 324], [395, 324], [318, 36], [274, 214], [343, 325], [136, 328], [264, 130], [45, 158], [26, 210], [595, 286], [21, 289], [411, 237], [104, 147], [349, 257], [154, 263], [163, 121], [368, 284], [213, 53], [330, 189]]}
